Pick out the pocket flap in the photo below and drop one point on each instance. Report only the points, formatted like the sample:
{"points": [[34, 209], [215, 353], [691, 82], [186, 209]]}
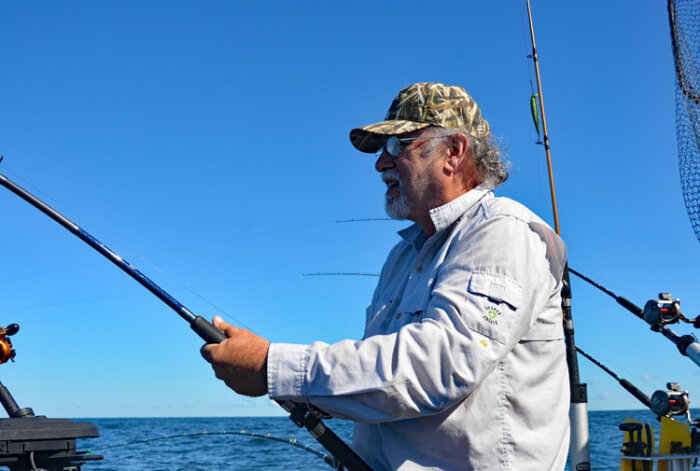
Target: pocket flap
{"points": [[497, 288]]}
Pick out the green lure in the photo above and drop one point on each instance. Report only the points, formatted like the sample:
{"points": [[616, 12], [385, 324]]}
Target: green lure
{"points": [[535, 116]]}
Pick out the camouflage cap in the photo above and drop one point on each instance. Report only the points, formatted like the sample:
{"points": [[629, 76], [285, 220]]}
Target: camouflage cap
{"points": [[421, 105]]}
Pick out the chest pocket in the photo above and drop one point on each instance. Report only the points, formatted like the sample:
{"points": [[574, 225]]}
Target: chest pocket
{"points": [[491, 305]]}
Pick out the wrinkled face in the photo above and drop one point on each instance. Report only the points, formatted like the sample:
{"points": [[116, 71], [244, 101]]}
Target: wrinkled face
{"points": [[410, 178]]}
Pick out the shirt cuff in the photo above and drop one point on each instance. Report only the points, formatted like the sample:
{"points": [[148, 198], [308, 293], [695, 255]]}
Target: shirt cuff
{"points": [[286, 370]]}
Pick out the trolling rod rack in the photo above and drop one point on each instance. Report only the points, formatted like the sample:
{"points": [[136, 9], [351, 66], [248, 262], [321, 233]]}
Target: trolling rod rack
{"points": [[657, 313], [303, 415]]}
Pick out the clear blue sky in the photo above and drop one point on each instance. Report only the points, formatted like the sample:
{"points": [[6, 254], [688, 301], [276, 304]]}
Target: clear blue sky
{"points": [[206, 142]]}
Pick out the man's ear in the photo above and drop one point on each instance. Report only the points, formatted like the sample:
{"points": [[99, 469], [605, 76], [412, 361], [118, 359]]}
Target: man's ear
{"points": [[457, 152]]}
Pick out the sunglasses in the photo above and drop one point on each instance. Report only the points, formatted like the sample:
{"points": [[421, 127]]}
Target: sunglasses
{"points": [[393, 145]]}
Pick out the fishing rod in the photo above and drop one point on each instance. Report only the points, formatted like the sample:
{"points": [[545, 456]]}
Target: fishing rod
{"points": [[662, 403], [629, 387], [301, 414], [657, 313], [340, 273], [370, 219], [579, 450]]}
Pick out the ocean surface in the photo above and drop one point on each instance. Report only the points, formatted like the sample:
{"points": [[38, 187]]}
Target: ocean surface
{"points": [[179, 444]]}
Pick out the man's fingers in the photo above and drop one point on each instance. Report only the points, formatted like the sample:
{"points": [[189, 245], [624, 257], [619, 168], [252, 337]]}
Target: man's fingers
{"points": [[206, 351]]}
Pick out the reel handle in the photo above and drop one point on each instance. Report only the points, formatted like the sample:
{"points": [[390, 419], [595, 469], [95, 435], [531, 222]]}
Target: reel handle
{"points": [[12, 329]]}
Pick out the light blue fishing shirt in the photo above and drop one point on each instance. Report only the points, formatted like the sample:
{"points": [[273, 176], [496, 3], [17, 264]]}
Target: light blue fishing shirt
{"points": [[462, 364]]}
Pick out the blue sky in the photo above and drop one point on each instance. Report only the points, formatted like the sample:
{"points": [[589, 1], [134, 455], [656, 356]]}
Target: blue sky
{"points": [[206, 142]]}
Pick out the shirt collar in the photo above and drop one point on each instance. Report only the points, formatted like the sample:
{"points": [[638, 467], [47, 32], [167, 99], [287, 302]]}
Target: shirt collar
{"points": [[443, 216]]}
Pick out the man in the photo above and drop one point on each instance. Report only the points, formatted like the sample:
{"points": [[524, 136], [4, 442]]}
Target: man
{"points": [[462, 362]]}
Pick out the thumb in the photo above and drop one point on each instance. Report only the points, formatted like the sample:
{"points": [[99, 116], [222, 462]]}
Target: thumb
{"points": [[219, 323]]}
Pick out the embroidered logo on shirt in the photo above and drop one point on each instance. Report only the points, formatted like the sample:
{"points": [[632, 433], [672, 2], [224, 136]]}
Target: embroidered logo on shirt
{"points": [[492, 313]]}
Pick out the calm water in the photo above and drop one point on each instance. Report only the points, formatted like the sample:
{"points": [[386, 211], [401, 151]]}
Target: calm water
{"points": [[216, 451]]}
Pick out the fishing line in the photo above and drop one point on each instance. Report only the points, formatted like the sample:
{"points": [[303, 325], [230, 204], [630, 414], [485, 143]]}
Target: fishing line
{"points": [[169, 250], [290, 441], [28, 183], [178, 282], [125, 295], [629, 387], [620, 367], [533, 96], [526, 43], [624, 302], [123, 246], [613, 283], [657, 313]]}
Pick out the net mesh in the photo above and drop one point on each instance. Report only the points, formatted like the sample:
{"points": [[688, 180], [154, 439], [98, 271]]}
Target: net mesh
{"points": [[684, 17]]}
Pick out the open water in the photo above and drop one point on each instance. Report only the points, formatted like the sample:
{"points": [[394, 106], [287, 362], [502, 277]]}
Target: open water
{"points": [[188, 448]]}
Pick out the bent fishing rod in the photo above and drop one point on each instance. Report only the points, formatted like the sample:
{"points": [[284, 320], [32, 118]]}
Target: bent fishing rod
{"points": [[301, 414]]}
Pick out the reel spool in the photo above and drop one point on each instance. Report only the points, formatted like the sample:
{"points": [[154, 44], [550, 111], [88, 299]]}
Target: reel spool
{"points": [[662, 311], [6, 350], [670, 403]]}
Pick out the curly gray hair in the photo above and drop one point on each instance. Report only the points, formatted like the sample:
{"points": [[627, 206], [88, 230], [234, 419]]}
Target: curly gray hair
{"points": [[484, 152]]}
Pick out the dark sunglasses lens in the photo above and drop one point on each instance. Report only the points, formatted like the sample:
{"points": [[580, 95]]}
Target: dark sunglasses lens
{"points": [[393, 146]]}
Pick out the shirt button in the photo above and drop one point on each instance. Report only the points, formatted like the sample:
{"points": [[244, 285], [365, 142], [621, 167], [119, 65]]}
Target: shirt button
{"points": [[419, 269], [398, 315]]}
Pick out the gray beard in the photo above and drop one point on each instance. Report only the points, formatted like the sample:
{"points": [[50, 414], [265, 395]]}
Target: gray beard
{"points": [[397, 208]]}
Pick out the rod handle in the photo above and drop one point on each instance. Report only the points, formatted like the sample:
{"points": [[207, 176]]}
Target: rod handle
{"points": [[633, 390], [303, 416], [630, 306], [207, 331]]}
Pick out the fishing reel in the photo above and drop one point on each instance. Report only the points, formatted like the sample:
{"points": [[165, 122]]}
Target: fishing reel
{"points": [[29, 442], [671, 402], [666, 310], [6, 350]]}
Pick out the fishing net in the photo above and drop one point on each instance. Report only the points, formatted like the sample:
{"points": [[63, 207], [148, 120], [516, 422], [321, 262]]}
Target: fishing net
{"points": [[684, 16]]}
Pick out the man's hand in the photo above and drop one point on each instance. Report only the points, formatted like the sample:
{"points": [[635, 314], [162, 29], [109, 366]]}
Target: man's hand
{"points": [[240, 360]]}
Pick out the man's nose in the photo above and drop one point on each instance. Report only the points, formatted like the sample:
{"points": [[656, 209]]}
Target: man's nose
{"points": [[384, 162]]}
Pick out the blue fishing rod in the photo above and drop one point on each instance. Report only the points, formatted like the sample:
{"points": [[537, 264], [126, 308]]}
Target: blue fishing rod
{"points": [[301, 414]]}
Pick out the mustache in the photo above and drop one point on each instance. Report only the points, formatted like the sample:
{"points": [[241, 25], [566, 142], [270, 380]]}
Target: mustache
{"points": [[391, 174]]}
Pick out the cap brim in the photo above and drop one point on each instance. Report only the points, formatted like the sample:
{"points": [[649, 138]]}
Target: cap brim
{"points": [[370, 138]]}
